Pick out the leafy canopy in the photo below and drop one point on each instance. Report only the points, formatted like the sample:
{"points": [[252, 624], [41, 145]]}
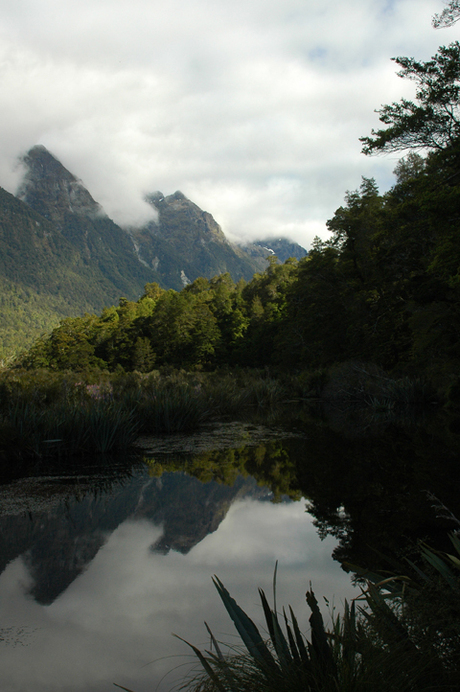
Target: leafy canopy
{"points": [[433, 120]]}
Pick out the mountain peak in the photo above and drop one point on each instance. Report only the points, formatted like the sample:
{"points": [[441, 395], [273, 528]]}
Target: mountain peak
{"points": [[283, 248], [51, 189], [154, 198], [178, 196]]}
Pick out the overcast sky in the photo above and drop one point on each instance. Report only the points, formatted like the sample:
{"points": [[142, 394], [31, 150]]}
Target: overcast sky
{"points": [[252, 108]]}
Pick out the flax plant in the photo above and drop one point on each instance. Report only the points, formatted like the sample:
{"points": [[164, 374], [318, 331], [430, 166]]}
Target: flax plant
{"points": [[393, 637]]}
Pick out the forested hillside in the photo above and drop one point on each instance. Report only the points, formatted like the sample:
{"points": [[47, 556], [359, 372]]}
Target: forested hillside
{"points": [[61, 255], [43, 276], [383, 289], [186, 242]]}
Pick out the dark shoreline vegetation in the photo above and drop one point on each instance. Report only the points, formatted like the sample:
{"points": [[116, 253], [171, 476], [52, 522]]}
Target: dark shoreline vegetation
{"points": [[368, 325], [47, 414]]}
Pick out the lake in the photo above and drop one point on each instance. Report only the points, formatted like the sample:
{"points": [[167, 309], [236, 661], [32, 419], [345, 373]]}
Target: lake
{"points": [[99, 566]]}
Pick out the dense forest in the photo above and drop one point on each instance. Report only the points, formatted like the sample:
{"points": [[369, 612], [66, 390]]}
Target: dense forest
{"points": [[383, 289]]}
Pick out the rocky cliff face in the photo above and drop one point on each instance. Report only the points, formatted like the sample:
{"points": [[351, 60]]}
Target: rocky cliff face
{"points": [[52, 191], [46, 275], [185, 243], [281, 247]]}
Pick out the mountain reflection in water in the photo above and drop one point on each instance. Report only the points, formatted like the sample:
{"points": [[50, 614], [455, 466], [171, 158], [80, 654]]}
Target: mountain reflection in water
{"points": [[98, 569], [95, 577]]}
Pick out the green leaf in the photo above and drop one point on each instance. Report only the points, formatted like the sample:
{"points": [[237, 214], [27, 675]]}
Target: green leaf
{"points": [[302, 649], [247, 630], [292, 644], [268, 614], [214, 643], [440, 566]]}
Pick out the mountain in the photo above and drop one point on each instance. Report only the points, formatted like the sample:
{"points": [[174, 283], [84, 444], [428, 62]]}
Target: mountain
{"points": [[54, 193], [281, 247], [43, 276], [187, 242], [61, 255]]}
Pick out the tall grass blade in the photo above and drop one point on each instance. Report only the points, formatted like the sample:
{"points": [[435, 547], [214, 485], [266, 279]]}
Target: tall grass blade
{"points": [[247, 630], [424, 577], [392, 583], [319, 639], [214, 643], [206, 665], [440, 566], [302, 649], [455, 542], [268, 614], [393, 627], [292, 645], [276, 634], [275, 573]]}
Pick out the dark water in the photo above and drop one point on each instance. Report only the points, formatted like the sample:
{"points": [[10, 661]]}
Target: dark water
{"points": [[99, 566], [98, 569]]}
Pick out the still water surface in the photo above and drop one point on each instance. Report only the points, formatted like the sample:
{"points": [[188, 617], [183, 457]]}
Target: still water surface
{"points": [[95, 580]]}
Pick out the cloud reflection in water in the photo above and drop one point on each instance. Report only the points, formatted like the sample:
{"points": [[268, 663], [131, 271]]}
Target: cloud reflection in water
{"points": [[114, 622]]}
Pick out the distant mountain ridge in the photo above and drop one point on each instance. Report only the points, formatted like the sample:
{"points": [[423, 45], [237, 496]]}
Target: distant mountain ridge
{"points": [[50, 189], [61, 255], [281, 247]]}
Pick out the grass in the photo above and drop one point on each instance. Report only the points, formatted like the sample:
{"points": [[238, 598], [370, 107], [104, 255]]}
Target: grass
{"points": [[97, 427], [172, 410]]}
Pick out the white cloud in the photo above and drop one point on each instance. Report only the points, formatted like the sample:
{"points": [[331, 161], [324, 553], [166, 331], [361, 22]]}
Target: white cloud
{"points": [[252, 109]]}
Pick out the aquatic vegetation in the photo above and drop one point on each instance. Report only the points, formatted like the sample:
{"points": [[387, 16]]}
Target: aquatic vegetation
{"points": [[368, 386], [96, 427], [110, 427], [49, 413], [232, 393]]}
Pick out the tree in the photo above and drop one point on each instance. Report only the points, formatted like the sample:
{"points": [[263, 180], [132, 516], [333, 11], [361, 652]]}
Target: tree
{"points": [[355, 225], [143, 355], [448, 16], [433, 121], [409, 167]]}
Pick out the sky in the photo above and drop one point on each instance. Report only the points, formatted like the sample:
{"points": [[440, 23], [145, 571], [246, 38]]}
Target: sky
{"points": [[252, 108]]}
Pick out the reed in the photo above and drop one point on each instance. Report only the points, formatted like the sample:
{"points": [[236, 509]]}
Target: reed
{"points": [[169, 410], [71, 428], [110, 427]]}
